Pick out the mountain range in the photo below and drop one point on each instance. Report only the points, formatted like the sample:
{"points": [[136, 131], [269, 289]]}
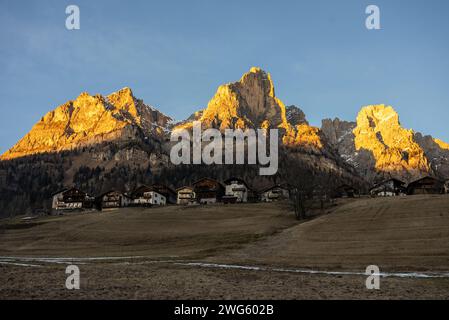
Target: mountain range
{"points": [[121, 131]]}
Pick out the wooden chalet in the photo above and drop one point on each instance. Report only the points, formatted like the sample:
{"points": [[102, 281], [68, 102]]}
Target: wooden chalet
{"points": [[186, 195], [147, 196], [113, 199], [275, 193], [236, 190], [389, 188], [71, 199], [426, 185], [208, 191], [169, 194]]}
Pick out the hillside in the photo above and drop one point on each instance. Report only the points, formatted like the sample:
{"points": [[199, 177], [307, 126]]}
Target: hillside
{"points": [[397, 234]]}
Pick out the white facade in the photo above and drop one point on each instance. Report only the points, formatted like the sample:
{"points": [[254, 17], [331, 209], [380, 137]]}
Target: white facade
{"points": [[59, 204], [237, 189], [151, 198]]}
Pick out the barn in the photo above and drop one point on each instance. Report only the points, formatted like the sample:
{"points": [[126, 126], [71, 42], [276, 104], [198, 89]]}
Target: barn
{"points": [[426, 185], [208, 191]]}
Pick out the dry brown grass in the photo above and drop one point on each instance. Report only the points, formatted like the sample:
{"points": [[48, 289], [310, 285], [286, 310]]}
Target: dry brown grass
{"points": [[397, 234]]}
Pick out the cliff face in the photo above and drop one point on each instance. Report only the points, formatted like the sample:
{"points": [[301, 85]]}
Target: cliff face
{"points": [[251, 103], [393, 147], [437, 153], [248, 103], [88, 120], [339, 134], [378, 146]]}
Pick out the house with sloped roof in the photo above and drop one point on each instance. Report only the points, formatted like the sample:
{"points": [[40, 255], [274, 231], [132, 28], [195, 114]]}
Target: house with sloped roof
{"points": [[208, 191], [147, 196], [389, 188], [236, 188]]}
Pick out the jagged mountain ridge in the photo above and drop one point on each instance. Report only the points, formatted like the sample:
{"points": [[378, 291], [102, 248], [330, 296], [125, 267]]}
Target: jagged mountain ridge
{"points": [[251, 103], [91, 120], [376, 144], [379, 147]]}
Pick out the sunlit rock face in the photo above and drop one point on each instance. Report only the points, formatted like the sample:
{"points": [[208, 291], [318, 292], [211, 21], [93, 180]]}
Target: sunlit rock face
{"points": [[248, 103], [251, 103], [375, 145], [393, 147], [90, 119], [379, 147]]}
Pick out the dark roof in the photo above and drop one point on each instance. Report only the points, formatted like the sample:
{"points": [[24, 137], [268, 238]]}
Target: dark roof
{"points": [[143, 188], [105, 193], [185, 187], [402, 183], [425, 178], [70, 189], [275, 186], [210, 179], [394, 180], [162, 187], [59, 191]]}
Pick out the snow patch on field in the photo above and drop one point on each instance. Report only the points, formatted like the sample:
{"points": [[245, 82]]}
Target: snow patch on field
{"points": [[27, 262], [308, 271]]}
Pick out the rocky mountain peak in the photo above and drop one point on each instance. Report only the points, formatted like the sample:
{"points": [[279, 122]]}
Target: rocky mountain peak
{"points": [[89, 119], [378, 145], [247, 103], [251, 103], [124, 100]]}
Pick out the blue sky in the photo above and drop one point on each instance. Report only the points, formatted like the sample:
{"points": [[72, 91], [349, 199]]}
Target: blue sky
{"points": [[174, 54]]}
